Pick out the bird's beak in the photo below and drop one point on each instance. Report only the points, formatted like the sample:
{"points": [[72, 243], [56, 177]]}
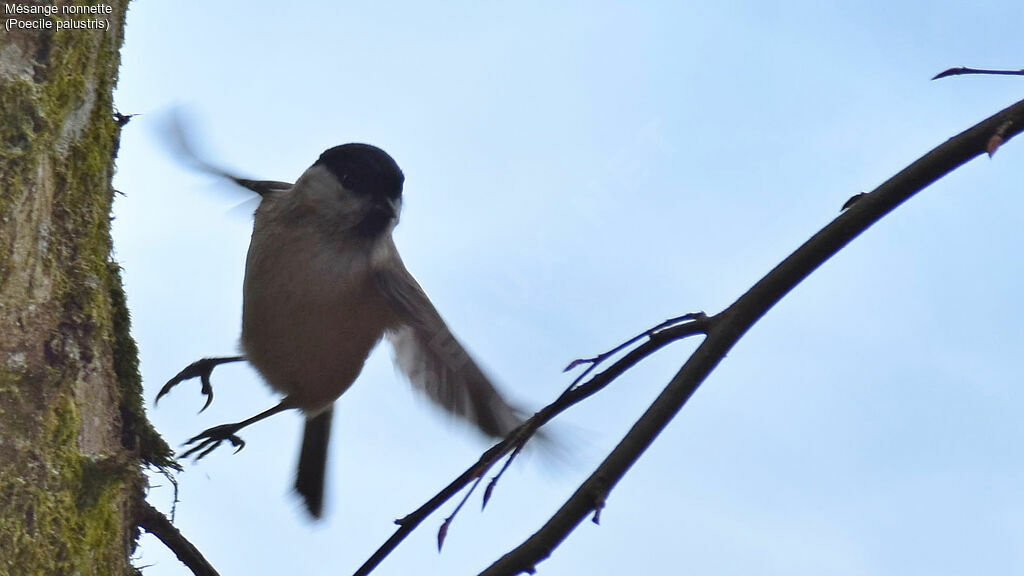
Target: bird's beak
{"points": [[379, 217], [389, 209], [383, 211]]}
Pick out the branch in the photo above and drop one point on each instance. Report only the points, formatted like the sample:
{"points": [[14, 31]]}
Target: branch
{"points": [[961, 70], [730, 325], [657, 338], [153, 521]]}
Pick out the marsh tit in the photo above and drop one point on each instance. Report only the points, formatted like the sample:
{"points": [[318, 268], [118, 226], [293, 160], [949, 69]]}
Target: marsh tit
{"points": [[324, 283]]}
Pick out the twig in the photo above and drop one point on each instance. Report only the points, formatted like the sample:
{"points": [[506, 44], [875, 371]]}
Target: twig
{"points": [[961, 70], [494, 481], [174, 487], [658, 338], [600, 358], [729, 326], [593, 364], [442, 532], [153, 521]]}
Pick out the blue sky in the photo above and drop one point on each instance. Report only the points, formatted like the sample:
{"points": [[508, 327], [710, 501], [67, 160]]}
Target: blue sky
{"points": [[576, 173]]}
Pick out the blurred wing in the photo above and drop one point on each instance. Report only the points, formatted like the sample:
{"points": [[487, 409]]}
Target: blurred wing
{"points": [[435, 362], [176, 137], [261, 187]]}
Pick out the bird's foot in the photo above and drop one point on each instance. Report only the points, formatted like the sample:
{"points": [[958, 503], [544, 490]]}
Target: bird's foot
{"points": [[202, 369], [208, 440]]}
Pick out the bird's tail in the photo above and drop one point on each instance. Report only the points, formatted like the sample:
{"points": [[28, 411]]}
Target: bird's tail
{"points": [[313, 462]]}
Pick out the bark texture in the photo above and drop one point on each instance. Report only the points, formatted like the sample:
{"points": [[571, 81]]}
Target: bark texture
{"points": [[73, 434]]}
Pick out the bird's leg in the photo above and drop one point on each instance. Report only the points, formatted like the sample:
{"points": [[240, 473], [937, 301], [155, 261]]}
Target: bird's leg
{"points": [[208, 440], [201, 368]]}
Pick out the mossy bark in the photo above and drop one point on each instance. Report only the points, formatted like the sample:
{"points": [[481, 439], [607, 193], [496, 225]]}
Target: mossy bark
{"points": [[73, 435]]}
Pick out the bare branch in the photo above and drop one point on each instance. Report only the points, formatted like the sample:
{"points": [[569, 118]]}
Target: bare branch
{"points": [[153, 521], [657, 338], [600, 358], [961, 70], [729, 326]]}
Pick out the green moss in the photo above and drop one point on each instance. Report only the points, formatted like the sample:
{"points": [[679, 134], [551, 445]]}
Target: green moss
{"points": [[18, 145], [19, 128], [38, 531], [98, 477], [153, 450]]}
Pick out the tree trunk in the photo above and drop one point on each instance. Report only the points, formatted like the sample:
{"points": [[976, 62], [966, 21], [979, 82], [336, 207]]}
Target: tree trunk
{"points": [[73, 433]]}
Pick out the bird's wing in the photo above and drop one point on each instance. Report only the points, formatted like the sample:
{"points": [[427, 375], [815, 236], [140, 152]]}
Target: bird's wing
{"points": [[435, 362], [178, 140], [261, 187]]}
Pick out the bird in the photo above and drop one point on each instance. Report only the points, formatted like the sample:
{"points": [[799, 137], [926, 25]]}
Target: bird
{"points": [[324, 284]]}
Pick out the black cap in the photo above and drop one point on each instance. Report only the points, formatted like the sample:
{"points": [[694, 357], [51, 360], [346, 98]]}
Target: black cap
{"points": [[364, 169]]}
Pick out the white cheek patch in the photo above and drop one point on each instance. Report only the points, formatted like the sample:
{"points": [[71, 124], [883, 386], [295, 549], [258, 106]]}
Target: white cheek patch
{"points": [[319, 186], [319, 189]]}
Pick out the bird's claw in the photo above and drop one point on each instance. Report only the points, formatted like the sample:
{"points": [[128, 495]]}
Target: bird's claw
{"points": [[202, 369], [208, 440]]}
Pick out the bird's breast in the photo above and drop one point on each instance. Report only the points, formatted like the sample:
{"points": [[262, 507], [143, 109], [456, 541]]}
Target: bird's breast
{"points": [[311, 314]]}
